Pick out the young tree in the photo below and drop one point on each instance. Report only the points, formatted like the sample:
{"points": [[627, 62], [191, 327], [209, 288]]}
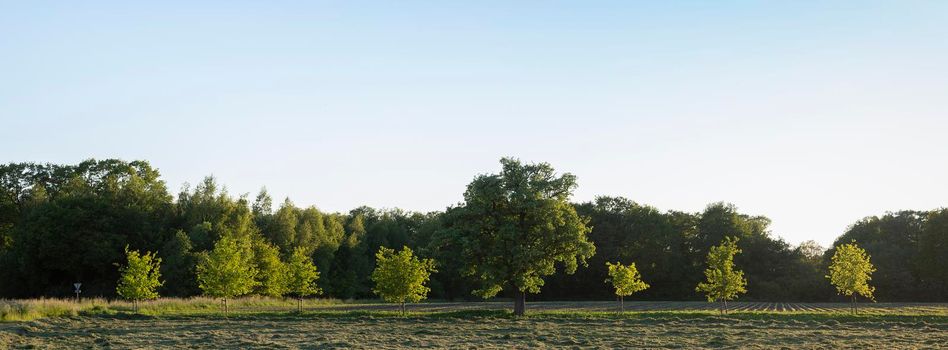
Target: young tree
{"points": [[139, 279], [518, 225], [302, 275], [626, 280], [272, 276], [850, 272], [228, 270], [401, 277], [723, 282]]}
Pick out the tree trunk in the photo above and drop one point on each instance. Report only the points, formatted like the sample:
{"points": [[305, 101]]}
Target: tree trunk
{"points": [[299, 303], [520, 303], [725, 306], [622, 303], [225, 306], [854, 304]]}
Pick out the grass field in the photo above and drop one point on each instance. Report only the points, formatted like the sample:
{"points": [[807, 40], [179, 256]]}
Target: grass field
{"points": [[268, 323]]}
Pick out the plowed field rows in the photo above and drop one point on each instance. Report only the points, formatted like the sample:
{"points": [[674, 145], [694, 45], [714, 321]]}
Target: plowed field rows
{"points": [[876, 308]]}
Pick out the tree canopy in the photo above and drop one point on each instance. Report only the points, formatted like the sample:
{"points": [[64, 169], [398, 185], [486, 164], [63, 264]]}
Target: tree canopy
{"points": [[626, 280], [723, 282], [302, 275], [228, 270], [140, 277], [518, 225], [61, 224], [851, 271], [401, 277], [272, 273]]}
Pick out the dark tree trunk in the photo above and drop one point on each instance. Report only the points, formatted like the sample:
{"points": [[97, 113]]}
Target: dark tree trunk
{"points": [[225, 305], [725, 306], [520, 303], [299, 303]]}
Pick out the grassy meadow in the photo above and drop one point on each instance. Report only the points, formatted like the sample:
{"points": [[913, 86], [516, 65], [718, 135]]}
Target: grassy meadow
{"points": [[273, 323]]}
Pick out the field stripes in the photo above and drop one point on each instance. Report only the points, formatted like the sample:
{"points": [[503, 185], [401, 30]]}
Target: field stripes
{"points": [[652, 306]]}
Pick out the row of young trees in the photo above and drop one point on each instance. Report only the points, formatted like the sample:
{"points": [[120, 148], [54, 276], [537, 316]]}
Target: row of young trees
{"points": [[850, 272], [65, 223], [233, 268], [401, 277], [229, 271]]}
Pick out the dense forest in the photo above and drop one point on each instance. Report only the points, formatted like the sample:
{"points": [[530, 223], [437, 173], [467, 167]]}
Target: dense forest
{"points": [[65, 223]]}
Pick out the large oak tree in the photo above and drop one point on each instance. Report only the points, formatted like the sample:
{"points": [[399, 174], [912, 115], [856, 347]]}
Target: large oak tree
{"points": [[517, 226]]}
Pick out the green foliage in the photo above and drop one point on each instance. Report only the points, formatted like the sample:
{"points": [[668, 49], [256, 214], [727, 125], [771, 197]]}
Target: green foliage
{"points": [[444, 241], [932, 255], [273, 274], [518, 225], [401, 277], [228, 270], [65, 223], [140, 278], [851, 271], [771, 266], [351, 262], [262, 205], [302, 274], [178, 264], [625, 279], [895, 242], [723, 282], [660, 243], [62, 222], [209, 214], [282, 230]]}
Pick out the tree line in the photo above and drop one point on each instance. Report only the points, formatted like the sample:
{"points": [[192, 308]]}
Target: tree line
{"points": [[61, 224]]}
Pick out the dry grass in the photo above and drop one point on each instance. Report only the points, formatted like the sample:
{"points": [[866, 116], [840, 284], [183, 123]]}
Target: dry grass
{"points": [[32, 309]]}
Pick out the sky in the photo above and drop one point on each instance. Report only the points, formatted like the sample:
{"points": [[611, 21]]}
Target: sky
{"points": [[812, 113]]}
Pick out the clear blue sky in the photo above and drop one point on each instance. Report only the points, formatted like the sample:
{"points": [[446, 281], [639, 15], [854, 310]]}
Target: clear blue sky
{"points": [[814, 114]]}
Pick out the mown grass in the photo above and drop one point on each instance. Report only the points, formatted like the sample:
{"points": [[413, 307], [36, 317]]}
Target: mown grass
{"points": [[328, 327], [835, 314], [254, 322]]}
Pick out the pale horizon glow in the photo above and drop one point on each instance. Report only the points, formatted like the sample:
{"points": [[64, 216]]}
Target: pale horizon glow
{"points": [[814, 114]]}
